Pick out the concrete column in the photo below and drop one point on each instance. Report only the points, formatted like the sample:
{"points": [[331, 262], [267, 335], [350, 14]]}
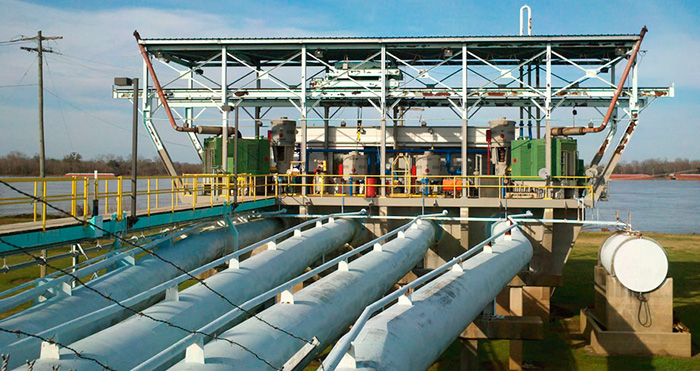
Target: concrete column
{"points": [[464, 228], [515, 361], [469, 355]]}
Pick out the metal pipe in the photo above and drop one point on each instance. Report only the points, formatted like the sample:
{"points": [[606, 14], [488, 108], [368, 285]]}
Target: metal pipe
{"points": [[584, 130], [324, 310], [411, 334], [197, 306], [159, 89], [129, 279]]}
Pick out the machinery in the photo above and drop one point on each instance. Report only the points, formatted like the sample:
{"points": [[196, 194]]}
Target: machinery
{"points": [[349, 74], [253, 155], [282, 139], [354, 168], [502, 133]]}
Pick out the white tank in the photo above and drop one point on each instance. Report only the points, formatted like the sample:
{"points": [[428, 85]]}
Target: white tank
{"points": [[283, 132], [428, 164], [639, 263], [354, 163]]}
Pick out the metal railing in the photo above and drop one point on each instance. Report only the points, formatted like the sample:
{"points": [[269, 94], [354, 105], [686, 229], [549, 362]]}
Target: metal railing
{"points": [[442, 186], [90, 196]]}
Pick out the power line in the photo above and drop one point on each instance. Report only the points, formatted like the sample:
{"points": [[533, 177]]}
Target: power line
{"points": [[103, 120], [60, 106], [51, 341], [43, 261], [157, 256]]}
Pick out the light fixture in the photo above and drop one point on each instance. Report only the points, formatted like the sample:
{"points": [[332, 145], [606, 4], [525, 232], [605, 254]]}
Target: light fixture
{"points": [[318, 53], [448, 53], [423, 123], [343, 124], [199, 71]]}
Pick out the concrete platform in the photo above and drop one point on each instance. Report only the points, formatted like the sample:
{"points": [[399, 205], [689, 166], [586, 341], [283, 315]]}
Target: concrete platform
{"points": [[604, 342]]}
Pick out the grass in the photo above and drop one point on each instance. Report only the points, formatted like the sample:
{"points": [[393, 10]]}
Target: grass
{"points": [[564, 349]]}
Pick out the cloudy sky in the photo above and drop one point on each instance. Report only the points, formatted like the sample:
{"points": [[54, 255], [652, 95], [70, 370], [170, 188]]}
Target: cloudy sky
{"points": [[97, 45]]}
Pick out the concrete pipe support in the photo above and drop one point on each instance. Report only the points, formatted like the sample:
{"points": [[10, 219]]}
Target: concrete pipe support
{"points": [[410, 336], [135, 340], [324, 310], [188, 253]]}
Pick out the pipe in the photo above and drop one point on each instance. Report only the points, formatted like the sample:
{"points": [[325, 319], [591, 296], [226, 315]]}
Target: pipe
{"points": [[129, 280], [529, 20], [323, 310], [411, 334], [196, 306], [159, 89], [580, 130]]}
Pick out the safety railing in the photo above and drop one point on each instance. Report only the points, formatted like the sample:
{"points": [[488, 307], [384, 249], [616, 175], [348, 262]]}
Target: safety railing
{"points": [[442, 186], [87, 196]]}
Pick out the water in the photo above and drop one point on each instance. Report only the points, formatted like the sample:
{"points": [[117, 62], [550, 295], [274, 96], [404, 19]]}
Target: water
{"points": [[664, 206]]}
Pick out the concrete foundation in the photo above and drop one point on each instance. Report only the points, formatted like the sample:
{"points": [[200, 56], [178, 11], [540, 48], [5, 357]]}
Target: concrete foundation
{"points": [[622, 322]]}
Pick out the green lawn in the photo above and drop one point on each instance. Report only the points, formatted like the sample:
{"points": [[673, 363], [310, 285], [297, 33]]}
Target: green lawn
{"points": [[564, 349]]}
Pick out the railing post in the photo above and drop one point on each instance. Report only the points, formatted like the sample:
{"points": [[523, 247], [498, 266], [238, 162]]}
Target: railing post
{"points": [[172, 195], [35, 194], [74, 196], [194, 193], [86, 184], [148, 197], [107, 196], [119, 198], [157, 192]]}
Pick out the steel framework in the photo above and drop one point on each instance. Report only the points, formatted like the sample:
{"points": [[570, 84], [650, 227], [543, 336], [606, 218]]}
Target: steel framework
{"points": [[463, 74]]}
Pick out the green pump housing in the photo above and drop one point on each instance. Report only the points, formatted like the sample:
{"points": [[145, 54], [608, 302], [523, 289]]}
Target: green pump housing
{"points": [[253, 155], [528, 157]]}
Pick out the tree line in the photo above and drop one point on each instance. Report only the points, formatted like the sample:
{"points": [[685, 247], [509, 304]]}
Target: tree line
{"points": [[18, 164], [657, 166]]}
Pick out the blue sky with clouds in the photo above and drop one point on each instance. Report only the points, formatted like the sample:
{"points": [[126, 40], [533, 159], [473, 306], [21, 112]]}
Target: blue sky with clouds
{"points": [[98, 45]]}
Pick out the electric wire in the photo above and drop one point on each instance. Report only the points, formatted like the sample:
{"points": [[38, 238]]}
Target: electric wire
{"points": [[77, 279], [103, 120], [60, 106], [51, 341], [157, 256]]}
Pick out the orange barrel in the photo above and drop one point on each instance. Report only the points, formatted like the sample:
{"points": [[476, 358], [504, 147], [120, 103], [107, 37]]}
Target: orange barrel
{"points": [[451, 185], [371, 188]]}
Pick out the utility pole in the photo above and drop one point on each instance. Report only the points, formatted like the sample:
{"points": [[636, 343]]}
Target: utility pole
{"points": [[42, 155], [40, 52]]}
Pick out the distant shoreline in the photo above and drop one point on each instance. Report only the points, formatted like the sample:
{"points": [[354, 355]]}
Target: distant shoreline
{"points": [[651, 177]]}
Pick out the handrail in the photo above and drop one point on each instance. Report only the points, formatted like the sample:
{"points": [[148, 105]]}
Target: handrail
{"points": [[216, 325], [342, 346], [87, 318]]}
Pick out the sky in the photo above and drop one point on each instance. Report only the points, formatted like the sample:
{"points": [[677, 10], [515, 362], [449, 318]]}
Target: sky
{"points": [[97, 45]]}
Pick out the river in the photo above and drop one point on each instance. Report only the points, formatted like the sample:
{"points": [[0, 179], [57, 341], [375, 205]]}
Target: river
{"points": [[664, 206]]}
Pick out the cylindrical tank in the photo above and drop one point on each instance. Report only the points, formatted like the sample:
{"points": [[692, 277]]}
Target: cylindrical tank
{"points": [[371, 189], [283, 132], [502, 133], [428, 164], [639, 263], [354, 164]]}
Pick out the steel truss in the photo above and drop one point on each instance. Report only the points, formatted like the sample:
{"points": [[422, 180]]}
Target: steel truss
{"points": [[462, 73]]}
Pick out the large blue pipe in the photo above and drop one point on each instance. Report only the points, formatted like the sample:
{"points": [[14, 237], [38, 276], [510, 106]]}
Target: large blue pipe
{"points": [[323, 310], [411, 336], [122, 345], [189, 253]]}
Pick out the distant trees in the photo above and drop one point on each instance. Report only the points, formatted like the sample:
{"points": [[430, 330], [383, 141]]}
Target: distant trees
{"points": [[657, 166], [18, 164]]}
